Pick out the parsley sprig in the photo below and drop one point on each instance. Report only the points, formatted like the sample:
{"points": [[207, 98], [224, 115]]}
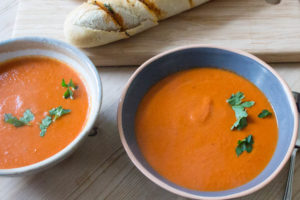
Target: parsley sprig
{"points": [[239, 108], [27, 117], [245, 145], [58, 112], [265, 113], [70, 88], [54, 114], [45, 124]]}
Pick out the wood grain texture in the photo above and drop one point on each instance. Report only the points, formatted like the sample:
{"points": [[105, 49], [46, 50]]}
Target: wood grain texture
{"points": [[100, 169], [270, 31], [8, 11]]}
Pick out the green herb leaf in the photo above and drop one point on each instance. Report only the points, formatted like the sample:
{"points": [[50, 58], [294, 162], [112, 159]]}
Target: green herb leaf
{"points": [[240, 124], [248, 104], [240, 111], [27, 117], [109, 8], [236, 99], [70, 86], [265, 113], [45, 124], [68, 94], [55, 113], [238, 150], [8, 118], [239, 108], [58, 112], [63, 83], [244, 145]]}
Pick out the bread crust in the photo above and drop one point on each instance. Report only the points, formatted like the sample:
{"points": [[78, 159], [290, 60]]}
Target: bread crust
{"points": [[99, 22], [86, 35]]}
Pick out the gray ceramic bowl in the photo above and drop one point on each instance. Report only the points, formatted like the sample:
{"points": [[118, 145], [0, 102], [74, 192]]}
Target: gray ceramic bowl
{"points": [[242, 63], [75, 59]]}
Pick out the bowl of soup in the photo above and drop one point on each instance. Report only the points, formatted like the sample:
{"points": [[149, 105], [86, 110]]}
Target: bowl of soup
{"points": [[51, 95], [207, 122]]}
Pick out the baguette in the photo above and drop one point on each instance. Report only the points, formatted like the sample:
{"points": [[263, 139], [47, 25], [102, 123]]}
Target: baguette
{"points": [[99, 22]]}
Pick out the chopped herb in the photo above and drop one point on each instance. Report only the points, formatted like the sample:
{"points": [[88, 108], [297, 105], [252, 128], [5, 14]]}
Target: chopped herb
{"points": [[236, 99], [265, 113], [63, 83], [239, 111], [8, 118], [248, 104], [54, 113], [245, 145], [70, 88], [70, 84], [109, 8], [58, 112], [27, 117], [240, 124], [239, 108], [45, 124], [68, 94]]}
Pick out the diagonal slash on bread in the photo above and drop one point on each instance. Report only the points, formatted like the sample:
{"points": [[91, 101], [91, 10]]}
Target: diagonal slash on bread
{"points": [[99, 22]]}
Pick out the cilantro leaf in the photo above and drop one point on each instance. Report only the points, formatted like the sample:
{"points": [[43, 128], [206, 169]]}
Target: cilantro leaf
{"points": [[45, 124], [248, 104], [27, 117], [63, 83], [239, 108], [240, 124], [68, 94], [236, 99], [245, 145], [265, 113], [8, 118], [58, 112], [54, 114], [70, 86], [240, 111]]}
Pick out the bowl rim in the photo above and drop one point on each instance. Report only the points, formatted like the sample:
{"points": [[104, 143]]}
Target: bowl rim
{"points": [[169, 188], [62, 154]]}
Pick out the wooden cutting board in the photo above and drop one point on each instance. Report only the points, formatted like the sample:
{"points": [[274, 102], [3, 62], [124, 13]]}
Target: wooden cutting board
{"points": [[272, 32]]}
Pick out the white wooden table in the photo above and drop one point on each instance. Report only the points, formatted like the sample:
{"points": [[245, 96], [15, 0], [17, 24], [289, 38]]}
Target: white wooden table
{"points": [[100, 168]]}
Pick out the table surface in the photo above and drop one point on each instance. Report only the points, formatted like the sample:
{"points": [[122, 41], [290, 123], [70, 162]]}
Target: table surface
{"points": [[100, 168]]}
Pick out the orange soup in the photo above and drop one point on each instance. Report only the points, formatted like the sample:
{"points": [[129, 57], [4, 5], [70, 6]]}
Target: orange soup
{"points": [[183, 128], [30, 88]]}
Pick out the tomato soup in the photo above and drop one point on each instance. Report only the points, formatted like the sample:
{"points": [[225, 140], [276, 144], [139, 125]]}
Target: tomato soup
{"points": [[183, 128], [34, 84]]}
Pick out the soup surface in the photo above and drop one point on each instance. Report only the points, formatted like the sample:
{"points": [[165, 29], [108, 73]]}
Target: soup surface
{"points": [[183, 128], [35, 83]]}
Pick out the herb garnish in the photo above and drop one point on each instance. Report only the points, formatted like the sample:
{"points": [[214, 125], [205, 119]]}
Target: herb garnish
{"points": [[109, 8], [244, 145], [265, 113], [70, 88], [236, 99], [54, 113], [45, 124], [58, 112], [27, 117], [239, 108]]}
